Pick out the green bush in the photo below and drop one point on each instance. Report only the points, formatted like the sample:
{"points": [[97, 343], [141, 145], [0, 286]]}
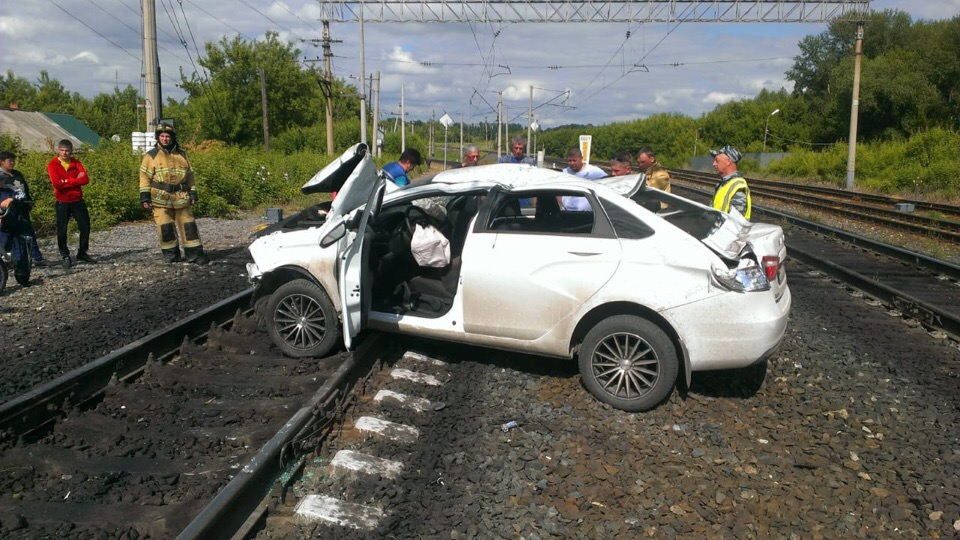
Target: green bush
{"points": [[228, 180], [923, 166]]}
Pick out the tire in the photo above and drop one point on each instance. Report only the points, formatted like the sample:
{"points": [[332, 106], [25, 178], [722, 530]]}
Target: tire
{"points": [[301, 320], [628, 363], [3, 275]]}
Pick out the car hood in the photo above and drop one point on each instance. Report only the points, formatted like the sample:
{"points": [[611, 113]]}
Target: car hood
{"points": [[353, 176]]}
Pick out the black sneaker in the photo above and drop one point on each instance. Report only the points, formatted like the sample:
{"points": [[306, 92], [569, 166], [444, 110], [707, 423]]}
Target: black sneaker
{"points": [[41, 263], [86, 258], [200, 259], [67, 263]]}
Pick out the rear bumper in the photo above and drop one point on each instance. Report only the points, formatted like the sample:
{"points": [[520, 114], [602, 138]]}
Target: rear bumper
{"points": [[732, 331]]}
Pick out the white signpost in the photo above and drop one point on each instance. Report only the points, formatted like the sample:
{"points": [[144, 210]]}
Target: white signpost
{"points": [[447, 122], [585, 141]]}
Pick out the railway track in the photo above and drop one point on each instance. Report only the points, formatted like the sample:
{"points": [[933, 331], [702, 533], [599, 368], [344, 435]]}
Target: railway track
{"points": [[180, 434], [936, 220], [168, 437]]}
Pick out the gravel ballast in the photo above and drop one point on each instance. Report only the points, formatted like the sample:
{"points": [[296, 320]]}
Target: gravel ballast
{"points": [[67, 318]]}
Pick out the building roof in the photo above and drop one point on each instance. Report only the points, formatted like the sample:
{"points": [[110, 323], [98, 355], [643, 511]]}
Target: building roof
{"points": [[76, 128], [42, 131]]}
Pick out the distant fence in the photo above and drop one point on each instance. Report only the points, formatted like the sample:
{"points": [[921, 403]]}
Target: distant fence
{"points": [[705, 163]]}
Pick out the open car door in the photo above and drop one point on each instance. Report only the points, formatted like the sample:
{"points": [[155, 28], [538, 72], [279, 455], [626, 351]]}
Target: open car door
{"points": [[354, 276]]}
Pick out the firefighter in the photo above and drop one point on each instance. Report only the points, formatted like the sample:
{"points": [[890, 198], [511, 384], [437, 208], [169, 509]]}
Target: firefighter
{"points": [[167, 187], [732, 191]]}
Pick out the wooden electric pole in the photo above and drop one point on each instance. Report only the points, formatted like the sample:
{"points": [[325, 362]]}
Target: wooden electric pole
{"points": [[151, 66], [263, 105]]}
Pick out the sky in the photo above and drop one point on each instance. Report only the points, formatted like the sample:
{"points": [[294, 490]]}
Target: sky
{"points": [[581, 73]]}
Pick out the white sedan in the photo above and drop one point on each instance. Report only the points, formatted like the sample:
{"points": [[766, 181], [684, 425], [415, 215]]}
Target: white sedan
{"points": [[488, 256]]}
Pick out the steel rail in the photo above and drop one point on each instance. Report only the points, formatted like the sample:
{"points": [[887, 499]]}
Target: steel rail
{"points": [[235, 505], [919, 204], [38, 407], [919, 224], [929, 315], [930, 263]]}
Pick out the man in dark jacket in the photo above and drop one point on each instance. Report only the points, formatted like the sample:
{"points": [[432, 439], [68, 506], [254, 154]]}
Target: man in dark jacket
{"points": [[16, 231]]}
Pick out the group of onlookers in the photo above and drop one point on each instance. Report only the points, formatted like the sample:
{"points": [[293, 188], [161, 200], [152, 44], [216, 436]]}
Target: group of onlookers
{"points": [[17, 235], [166, 188], [730, 193]]}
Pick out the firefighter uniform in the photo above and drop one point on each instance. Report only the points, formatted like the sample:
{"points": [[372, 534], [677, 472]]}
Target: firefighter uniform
{"points": [[167, 187], [658, 177]]}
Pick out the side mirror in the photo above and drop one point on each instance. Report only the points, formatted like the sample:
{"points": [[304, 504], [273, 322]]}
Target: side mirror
{"points": [[336, 232]]}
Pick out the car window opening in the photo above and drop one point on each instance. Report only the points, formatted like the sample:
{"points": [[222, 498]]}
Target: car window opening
{"points": [[400, 284], [554, 212]]}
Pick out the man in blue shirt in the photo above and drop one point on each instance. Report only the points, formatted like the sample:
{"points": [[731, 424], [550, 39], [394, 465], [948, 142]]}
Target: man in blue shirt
{"points": [[397, 170]]}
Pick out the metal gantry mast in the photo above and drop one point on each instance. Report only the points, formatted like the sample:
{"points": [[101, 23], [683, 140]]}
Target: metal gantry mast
{"points": [[547, 11]]}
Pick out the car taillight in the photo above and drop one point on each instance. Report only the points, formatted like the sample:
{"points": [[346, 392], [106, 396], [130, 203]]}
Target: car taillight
{"points": [[746, 277], [771, 266]]}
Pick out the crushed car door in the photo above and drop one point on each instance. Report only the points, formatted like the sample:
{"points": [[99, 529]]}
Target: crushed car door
{"points": [[354, 278], [522, 276], [355, 179]]}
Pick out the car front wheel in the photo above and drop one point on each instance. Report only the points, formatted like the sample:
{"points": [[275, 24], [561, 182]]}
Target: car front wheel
{"points": [[629, 363], [301, 320]]}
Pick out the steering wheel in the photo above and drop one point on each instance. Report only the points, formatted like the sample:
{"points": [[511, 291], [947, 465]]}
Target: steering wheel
{"points": [[410, 219]]}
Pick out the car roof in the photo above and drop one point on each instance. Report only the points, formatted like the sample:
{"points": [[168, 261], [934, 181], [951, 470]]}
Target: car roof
{"points": [[509, 175]]}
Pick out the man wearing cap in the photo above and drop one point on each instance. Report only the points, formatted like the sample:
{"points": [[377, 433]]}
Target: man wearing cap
{"points": [[732, 191], [167, 188]]}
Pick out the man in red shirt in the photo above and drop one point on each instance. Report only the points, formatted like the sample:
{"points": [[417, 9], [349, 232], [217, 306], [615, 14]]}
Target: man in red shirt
{"points": [[67, 176]]}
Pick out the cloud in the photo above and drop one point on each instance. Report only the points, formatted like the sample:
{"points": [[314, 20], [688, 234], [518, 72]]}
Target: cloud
{"points": [[86, 57], [716, 98], [692, 67]]}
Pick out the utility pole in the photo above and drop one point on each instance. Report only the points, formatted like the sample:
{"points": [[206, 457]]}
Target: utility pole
{"points": [[363, 90], [151, 66], [328, 83], [263, 104], [376, 116], [530, 116], [499, 121], [854, 109], [431, 148], [403, 122], [461, 137]]}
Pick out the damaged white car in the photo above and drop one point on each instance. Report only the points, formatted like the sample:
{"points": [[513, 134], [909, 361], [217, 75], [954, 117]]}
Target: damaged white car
{"points": [[489, 256]]}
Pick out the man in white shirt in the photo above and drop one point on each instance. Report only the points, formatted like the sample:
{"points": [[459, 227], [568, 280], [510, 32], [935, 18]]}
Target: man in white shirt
{"points": [[577, 167]]}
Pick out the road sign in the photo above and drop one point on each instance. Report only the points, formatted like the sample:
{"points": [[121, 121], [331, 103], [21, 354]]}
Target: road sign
{"points": [[585, 141]]}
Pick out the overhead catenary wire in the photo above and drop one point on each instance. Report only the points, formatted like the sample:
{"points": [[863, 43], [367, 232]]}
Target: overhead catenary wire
{"points": [[105, 38]]}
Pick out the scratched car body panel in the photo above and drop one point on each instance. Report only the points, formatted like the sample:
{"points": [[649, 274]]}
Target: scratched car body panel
{"points": [[637, 297]]}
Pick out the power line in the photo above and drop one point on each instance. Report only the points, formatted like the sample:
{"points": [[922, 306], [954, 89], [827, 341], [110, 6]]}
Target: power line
{"points": [[218, 19], [92, 29], [264, 15], [139, 16], [134, 30]]}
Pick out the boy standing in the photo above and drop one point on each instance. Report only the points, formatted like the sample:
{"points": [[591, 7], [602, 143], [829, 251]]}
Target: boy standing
{"points": [[68, 176]]}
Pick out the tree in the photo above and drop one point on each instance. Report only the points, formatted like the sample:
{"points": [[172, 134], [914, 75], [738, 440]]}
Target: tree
{"points": [[228, 105], [16, 90]]}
